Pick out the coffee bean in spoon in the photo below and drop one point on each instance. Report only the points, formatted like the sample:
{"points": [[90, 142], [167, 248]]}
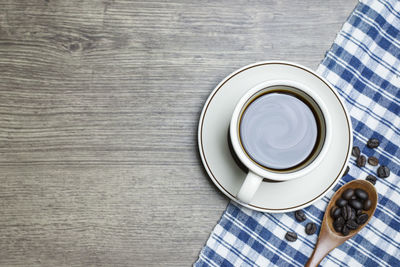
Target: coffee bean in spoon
{"points": [[373, 161], [338, 224], [291, 236], [371, 179], [358, 212], [362, 218], [361, 161], [383, 172], [348, 194], [335, 212], [373, 143], [311, 228], [357, 204], [345, 230], [367, 204], [355, 151], [349, 212], [361, 194], [341, 202], [352, 215], [300, 216], [352, 225], [346, 212]]}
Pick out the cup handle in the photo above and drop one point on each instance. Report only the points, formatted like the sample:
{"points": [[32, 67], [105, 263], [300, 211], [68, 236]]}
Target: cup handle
{"points": [[249, 187]]}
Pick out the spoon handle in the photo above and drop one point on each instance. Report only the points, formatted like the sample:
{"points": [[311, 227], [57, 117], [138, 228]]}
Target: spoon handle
{"points": [[324, 245]]}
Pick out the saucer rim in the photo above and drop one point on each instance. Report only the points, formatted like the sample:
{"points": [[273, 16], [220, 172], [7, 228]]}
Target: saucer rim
{"points": [[208, 169]]}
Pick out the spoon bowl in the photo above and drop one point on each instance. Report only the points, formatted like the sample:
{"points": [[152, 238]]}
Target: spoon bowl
{"points": [[328, 238]]}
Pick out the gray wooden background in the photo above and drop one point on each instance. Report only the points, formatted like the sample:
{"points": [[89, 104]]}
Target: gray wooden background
{"points": [[99, 105]]}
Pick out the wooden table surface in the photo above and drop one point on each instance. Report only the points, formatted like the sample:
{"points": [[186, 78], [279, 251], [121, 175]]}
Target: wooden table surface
{"points": [[99, 106]]}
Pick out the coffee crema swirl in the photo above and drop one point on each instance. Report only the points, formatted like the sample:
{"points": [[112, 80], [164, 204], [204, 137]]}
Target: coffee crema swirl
{"points": [[278, 130]]}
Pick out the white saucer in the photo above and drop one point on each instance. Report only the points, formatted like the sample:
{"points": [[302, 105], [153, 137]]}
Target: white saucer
{"points": [[271, 196]]}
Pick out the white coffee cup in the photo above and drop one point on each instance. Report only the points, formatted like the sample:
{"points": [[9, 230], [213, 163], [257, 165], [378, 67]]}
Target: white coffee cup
{"points": [[258, 172]]}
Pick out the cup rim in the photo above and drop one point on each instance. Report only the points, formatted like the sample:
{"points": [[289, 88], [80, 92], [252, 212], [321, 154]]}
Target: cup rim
{"points": [[245, 159]]}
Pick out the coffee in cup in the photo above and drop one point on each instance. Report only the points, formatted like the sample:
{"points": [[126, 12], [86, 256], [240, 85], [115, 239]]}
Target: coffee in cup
{"points": [[280, 130]]}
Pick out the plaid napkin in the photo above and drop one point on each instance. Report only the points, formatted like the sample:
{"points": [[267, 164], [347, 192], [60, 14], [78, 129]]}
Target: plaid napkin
{"points": [[363, 65]]}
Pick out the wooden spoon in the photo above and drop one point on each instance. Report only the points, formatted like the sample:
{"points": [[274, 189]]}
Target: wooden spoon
{"points": [[328, 238]]}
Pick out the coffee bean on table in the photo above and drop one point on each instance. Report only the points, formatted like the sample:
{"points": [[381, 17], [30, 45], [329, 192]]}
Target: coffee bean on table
{"points": [[371, 179], [335, 212], [361, 194], [362, 218], [291, 236], [346, 171], [373, 143], [348, 194], [351, 224], [361, 161], [300, 216], [383, 172], [367, 204], [341, 202], [311, 228], [345, 230], [357, 204], [373, 161], [356, 151]]}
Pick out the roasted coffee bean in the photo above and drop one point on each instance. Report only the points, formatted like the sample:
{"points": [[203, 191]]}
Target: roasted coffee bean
{"points": [[367, 204], [338, 224], [341, 202], [361, 194], [348, 193], [345, 230], [335, 212], [349, 211], [354, 197], [311, 228], [351, 224], [371, 179], [373, 161], [362, 218], [346, 212], [358, 212], [356, 151], [340, 220], [337, 227], [346, 171], [373, 143], [291, 236], [357, 204], [383, 172], [352, 215], [361, 161], [300, 216]]}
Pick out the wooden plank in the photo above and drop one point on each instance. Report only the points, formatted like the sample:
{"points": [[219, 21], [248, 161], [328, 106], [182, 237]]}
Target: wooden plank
{"points": [[99, 105]]}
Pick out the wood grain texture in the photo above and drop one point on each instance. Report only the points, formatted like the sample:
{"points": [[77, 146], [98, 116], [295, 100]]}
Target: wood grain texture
{"points": [[99, 105]]}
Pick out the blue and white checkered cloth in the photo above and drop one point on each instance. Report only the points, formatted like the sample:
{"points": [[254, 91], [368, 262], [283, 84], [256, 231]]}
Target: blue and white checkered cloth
{"points": [[364, 67]]}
